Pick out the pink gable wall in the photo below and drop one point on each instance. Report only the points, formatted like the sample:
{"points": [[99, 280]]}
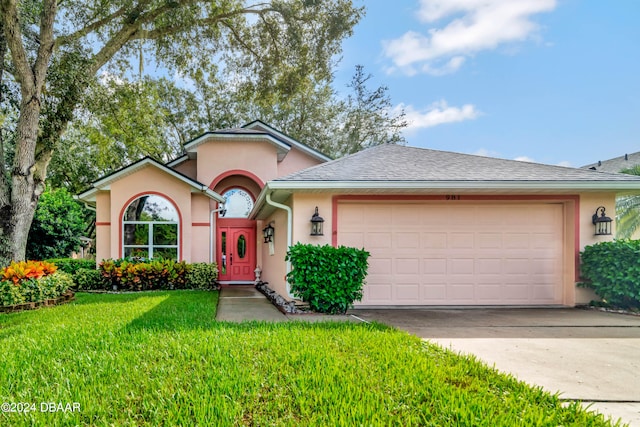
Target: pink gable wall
{"points": [[149, 180]]}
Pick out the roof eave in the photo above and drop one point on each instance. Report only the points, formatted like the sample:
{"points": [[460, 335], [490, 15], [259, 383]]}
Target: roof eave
{"points": [[472, 185]]}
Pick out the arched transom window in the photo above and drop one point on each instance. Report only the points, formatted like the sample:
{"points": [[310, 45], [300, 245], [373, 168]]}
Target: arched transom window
{"points": [[238, 203], [150, 228]]}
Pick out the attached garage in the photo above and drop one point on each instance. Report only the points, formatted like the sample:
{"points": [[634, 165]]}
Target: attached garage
{"points": [[458, 253], [450, 229]]}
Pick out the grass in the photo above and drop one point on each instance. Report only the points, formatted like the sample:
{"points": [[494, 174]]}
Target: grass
{"points": [[160, 358]]}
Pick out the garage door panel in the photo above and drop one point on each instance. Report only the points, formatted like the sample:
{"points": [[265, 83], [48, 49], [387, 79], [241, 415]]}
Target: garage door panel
{"points": [[487, 254], [381, 266], [408, 292], [434, 266], [433, 240], [377, 293], [378, 240], [461, 240]]}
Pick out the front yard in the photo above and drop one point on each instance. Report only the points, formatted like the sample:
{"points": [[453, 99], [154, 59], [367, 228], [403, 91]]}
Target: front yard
{"points": [[160, 358]]}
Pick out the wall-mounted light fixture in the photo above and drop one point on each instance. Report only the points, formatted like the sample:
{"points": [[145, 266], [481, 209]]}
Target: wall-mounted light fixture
{"points": [[267, 233], [316, 224], [602, 222]]}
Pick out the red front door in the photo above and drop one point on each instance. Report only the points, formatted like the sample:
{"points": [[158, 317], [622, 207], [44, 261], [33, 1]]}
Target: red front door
{"points": [[236, 254]]}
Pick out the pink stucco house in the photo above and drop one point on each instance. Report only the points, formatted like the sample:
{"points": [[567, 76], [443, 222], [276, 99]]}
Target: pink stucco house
{"points": [[442, 228]]}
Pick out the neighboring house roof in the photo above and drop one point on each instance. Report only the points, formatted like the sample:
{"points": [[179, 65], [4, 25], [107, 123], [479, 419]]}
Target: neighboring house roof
{"points": [[105, 182], [616, 164]]}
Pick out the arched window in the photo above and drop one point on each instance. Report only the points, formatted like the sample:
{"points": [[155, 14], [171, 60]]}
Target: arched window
{"points": [[238, 203], [150, 228]]}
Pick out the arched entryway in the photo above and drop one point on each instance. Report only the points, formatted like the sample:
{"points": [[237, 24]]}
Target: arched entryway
{"points": [[236, 250]]}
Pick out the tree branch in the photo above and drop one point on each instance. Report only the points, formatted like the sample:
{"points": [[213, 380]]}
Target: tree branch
{"points": [[64, 40], [46, 42], [23, 73]]}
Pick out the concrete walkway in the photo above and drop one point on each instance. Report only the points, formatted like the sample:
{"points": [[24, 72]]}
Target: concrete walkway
{"points": [[246, 303], [585, 355]]}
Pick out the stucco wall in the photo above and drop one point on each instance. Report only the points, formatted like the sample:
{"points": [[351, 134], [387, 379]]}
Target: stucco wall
{"points": [[103, 225], [150, 180], [188, 168], [295, 161], [589, 202], [256, 157], [273, 265]]}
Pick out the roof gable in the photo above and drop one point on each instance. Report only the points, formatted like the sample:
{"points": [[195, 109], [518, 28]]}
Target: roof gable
{"points": [[105, 182], [258, 125]]}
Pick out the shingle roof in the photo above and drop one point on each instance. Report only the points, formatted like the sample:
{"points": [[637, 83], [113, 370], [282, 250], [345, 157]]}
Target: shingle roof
{"points": [[390, 162], [616, 164]]}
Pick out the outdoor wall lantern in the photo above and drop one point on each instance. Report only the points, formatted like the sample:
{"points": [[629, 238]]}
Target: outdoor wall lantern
{"points": [[316, 224], [602, 222], [267, 233]]}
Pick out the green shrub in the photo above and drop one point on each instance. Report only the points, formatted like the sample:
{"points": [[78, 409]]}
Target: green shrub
{"points": [[57, 225], [72, 265], [11, 293], [202, 275], [34, 289], [132, 275], [612, 270], [89, 279], [329, 279]]}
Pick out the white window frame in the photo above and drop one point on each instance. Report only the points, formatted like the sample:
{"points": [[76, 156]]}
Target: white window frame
{"points": [[150, 246]]}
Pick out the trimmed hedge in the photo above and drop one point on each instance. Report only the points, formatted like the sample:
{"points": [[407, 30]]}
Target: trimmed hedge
{"points": [[87, 279], [329, 279], [133, 275], [72, 265], [612, 270]]}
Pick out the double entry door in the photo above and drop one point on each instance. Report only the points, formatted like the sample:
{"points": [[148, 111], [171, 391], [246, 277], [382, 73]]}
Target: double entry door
{"points": [[236, 253]]}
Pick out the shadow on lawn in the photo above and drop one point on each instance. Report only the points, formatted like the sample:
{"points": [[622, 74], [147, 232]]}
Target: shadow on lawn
{"points": [[85, 298], [181, 311]]}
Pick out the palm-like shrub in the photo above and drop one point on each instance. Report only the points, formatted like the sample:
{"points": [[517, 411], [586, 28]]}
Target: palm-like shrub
{"points": [[628, 210]]}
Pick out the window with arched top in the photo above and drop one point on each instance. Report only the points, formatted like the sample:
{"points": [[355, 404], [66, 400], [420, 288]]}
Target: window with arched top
{"points": [[150, 228]]}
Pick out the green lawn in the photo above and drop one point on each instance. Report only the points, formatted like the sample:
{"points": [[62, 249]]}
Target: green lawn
{"points": [[161, 359]]}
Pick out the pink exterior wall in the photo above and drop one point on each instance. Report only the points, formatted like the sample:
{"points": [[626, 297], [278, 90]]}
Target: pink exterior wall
{"points": [[295, 161], [103, 225], [188, 168], [200, 208], [589, 202], [216, 157], [150, 180], [273, 266]]}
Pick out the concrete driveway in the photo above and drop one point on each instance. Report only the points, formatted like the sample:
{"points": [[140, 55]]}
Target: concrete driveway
{"points": [[586, 355]]}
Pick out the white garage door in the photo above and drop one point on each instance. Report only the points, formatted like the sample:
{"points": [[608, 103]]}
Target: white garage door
{"points": [[458, 253]]}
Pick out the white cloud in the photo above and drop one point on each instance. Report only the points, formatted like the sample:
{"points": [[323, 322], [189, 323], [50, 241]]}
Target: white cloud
{"points": [[437, 114], [474, 26], [524, 159], [565, 163]]}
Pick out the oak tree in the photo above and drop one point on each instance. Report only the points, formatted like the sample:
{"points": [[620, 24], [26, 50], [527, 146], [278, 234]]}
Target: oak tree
{"points": [[51, 50]]}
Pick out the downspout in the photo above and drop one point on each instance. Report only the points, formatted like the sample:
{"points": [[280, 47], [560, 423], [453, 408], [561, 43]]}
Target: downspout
{"points": [[289, 232]]}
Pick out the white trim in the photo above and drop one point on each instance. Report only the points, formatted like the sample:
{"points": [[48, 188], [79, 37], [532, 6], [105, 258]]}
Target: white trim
{"points": [[191, 146], [105, 183]]}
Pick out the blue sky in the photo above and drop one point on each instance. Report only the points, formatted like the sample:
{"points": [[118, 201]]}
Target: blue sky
{"points": [[550, 81]]}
